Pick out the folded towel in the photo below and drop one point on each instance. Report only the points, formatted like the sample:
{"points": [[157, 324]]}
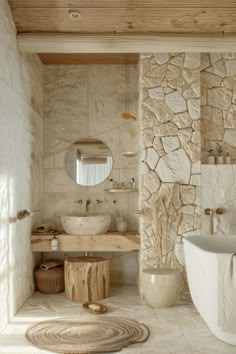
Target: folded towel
{"points": [[46, 229], [51, 263], [227, 292]]}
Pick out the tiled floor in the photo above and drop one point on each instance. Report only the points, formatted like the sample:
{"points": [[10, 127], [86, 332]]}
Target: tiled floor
{"points": [[178, 330]]}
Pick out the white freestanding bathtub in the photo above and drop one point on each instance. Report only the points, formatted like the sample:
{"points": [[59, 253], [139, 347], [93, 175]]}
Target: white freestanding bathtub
{"points": [[202, 265]]}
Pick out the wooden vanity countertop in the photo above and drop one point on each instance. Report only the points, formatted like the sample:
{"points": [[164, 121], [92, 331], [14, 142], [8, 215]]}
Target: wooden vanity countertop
{"points": [[109, 242]]}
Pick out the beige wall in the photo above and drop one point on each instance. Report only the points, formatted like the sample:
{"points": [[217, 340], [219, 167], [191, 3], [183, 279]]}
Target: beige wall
{"points": [[20, 164], [87, 101], [218, 110]]}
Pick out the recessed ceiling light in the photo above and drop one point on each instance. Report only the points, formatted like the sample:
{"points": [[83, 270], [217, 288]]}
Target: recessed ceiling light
{"points": [[74, 14]]}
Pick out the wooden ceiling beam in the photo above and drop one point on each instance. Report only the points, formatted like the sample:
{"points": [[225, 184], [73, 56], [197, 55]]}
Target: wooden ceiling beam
{"points": [[73, 43], [121, 3], [126, 20], [87, 59]]}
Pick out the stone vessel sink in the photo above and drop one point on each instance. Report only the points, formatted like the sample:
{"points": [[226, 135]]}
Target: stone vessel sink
{"points": [[86, 224]]}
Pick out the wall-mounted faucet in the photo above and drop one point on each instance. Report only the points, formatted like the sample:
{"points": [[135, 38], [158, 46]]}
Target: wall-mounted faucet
{"points": [[98, 201], [87, 204], [210, 212], [80, 201]]}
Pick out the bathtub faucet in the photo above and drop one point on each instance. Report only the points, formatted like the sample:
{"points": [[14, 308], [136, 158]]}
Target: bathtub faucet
{"points": [[210, 212]]}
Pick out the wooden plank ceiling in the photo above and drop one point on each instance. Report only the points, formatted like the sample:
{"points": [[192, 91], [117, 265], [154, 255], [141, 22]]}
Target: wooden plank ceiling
{"points": [[124, 17]]}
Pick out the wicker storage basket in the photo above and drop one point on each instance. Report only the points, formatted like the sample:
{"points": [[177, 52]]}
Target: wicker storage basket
{"points": [[50, 281]]}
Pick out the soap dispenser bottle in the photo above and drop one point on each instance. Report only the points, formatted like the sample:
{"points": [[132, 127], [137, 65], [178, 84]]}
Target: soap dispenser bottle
{"points": [[121, 224]]}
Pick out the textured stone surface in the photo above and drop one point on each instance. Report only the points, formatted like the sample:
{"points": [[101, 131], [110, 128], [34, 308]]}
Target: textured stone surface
{"points": [[230, 137], [152, 158], [160, 109], [218, 84], [176, 102], [182, 120], [165, 129], [220, 98], [21, 138], [175, 135], [174, 167], [170, 143]]}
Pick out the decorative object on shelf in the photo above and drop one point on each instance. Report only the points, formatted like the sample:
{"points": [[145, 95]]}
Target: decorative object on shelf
{"points": [[54, 244], [211, 158], [127, 115], [87, 278], [51, 263], [121, 224], [164, 215], [50, 281], [95, 307], [46, 229], [101, 334], [219, 157], [129, 153], [121, 190], [227, 159]]}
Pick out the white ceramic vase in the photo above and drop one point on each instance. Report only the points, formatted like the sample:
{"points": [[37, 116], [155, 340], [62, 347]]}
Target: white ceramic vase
{"points": [[162, 287]]}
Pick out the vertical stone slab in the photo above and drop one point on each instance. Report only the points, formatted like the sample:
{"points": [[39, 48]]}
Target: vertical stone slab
{"points": [[170, 127]]}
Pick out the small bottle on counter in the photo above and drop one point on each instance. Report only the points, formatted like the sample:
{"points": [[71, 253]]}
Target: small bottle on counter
{"points": [[211, 158], [121, 224], [220, 157], [227, 159], [54, 244]]}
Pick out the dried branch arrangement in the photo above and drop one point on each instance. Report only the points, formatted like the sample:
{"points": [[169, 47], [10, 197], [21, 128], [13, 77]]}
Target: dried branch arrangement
{"points": [[163, 216]]}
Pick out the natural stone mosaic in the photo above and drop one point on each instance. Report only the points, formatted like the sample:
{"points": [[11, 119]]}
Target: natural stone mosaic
{"points": [[218, 110], [170, 139]]}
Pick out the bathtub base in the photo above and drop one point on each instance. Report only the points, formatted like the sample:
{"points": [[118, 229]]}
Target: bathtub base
{"points": [[202, 266], [224, 336]]}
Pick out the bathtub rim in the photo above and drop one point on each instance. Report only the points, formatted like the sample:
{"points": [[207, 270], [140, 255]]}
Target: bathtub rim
{"points": [[213, 238]]}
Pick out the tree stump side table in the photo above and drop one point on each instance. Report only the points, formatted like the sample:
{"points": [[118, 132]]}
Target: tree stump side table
{"points": [[87, 278]]}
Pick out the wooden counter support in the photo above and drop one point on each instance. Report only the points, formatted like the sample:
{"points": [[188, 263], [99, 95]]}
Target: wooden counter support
{"points": [[87, 279], [110, 242]]}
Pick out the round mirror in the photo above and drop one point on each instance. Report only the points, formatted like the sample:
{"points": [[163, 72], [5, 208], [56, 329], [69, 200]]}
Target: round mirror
{"points": [[88, 162]]}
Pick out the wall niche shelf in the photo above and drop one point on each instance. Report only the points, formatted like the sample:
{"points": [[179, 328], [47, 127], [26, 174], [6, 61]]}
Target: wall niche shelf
{"points": [[129, 153], [121, 190]]}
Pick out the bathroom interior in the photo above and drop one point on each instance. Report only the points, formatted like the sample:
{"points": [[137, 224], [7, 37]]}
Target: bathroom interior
{"points": [[117, 189]]}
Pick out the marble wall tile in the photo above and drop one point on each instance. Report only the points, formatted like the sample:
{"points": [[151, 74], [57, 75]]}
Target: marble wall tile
{"points": [[219, 190], [65, 106], [87, 101], [21, 186], [107, 99], [57, 180]]}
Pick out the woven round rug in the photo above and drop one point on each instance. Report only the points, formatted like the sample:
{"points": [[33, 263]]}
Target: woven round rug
{"points": [[96, 334]]}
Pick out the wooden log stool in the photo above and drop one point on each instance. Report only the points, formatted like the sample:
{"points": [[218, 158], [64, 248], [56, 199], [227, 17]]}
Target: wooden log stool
{"points": [[87, 278]]}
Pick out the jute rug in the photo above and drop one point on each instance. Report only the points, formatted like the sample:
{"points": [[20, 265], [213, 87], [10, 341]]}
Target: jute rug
{"points": [[95, 334]]}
